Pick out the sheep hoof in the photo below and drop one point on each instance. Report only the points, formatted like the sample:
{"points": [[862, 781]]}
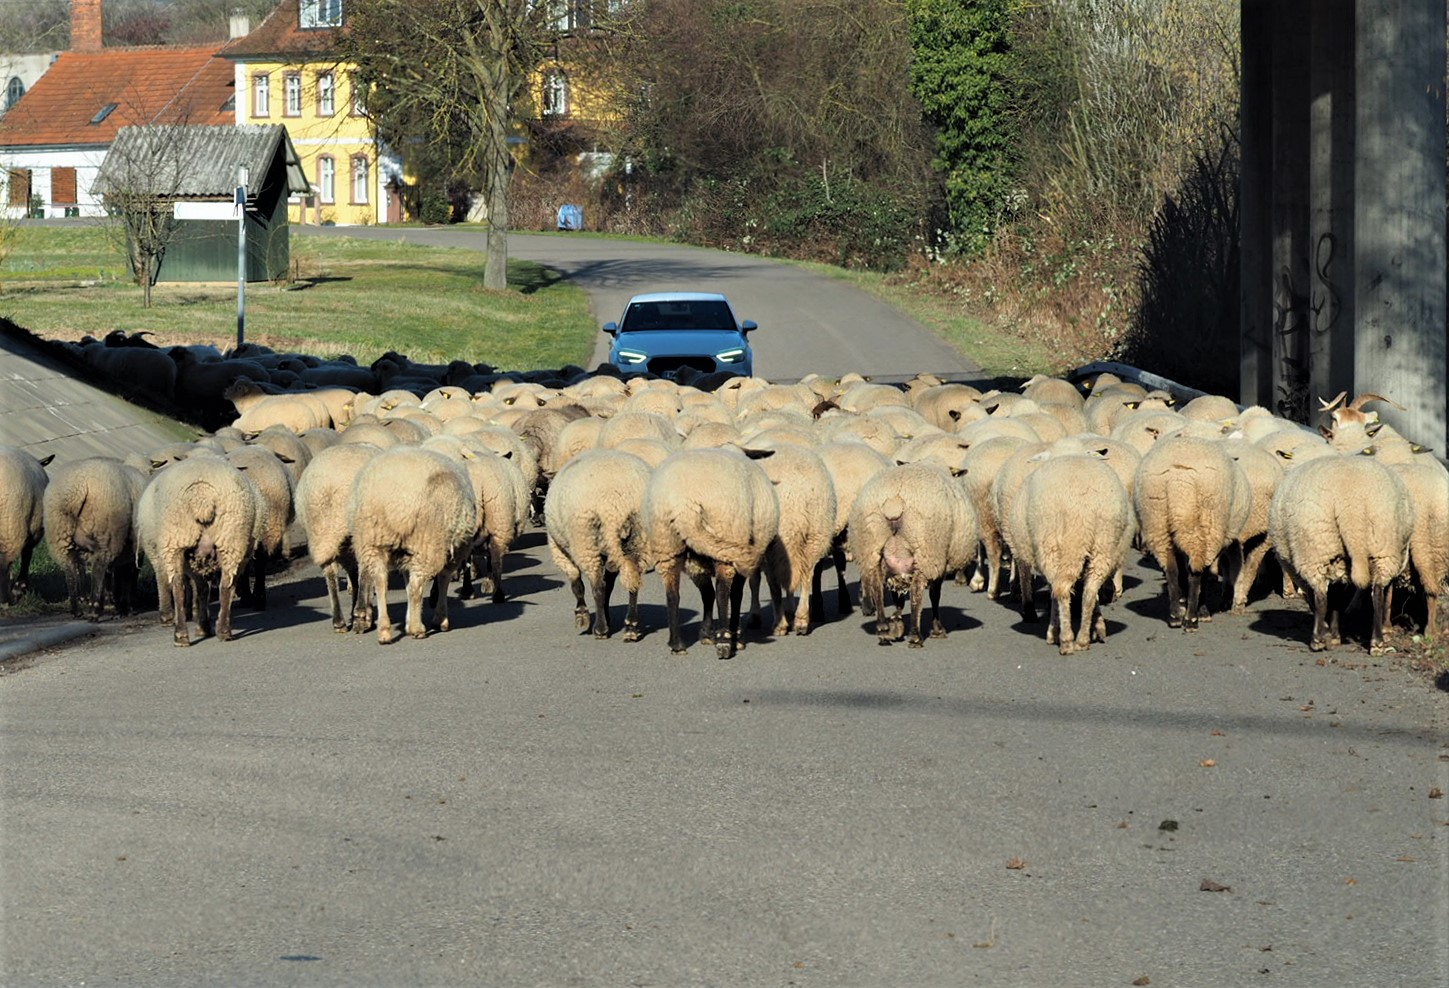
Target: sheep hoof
{"points": [[780, 630], [601, 635], [631, 635], [802, 630], [938, 632], [883, 641], [1318, 645], [581, 618], [181, 641], [224, 636], [915, 642], [340, 628], [678, 650]]}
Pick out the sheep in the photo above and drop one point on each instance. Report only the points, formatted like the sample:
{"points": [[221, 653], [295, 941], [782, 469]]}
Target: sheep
{"points": [[1072, 522], [593, 516], [711, 512], [144, 370], [1340, 519], [805, 493], [910, 526], [273, 481], [22, 516], [502, 509], [413, 509], [258, 407], [1192, 501], [1005, 486], [947, 406], [321, 508], [1264, 471], [87, 507], [651, 451], [636, 425], [981, 463], [1427, 483], [369, 432], [199, 517], [1052, 390], [851, 464]]}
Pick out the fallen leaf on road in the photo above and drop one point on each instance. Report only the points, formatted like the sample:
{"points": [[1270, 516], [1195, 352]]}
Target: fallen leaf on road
{"points": [[1142, 981], [1218, 734], [1015, 864], [1350, 881], [1436, 793], [1167, 825], [1207, 763], [1208, 885], [1405, 858]]}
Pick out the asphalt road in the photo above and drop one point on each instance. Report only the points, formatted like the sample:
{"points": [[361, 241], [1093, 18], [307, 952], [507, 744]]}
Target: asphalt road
{"points": [[511, 803], [808, 323]]}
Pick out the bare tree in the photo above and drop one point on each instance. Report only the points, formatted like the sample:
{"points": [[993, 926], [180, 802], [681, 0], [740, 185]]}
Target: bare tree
{"points": [[451, 72], [141, 178]]}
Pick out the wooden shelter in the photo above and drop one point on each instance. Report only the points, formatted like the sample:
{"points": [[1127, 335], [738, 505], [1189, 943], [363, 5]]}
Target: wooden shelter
{"points": [[193, 171]]}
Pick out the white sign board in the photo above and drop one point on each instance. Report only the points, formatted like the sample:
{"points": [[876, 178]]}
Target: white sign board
{"points": [[205, 211]]}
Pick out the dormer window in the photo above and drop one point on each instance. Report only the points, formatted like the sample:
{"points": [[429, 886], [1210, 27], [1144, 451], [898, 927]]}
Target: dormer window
{"points": [[321, 13], [13, 91], [103, 112]]}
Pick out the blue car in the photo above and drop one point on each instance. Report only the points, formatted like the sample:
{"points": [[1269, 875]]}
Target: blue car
{"points": [[665, 331]]}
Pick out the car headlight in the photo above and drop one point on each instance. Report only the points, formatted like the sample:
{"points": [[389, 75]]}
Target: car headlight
{"points": [[734, 356], [632, 357]]}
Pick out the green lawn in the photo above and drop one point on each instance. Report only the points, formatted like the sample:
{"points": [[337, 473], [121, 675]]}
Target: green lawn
{"points": [[361, 297]]}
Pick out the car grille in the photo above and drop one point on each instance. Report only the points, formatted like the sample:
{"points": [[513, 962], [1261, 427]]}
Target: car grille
{"points": [[668, 365]]}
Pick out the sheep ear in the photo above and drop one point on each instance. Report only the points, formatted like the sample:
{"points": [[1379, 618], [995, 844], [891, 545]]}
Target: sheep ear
{"points": [[1325, 433], [507, 456], [958, 471], [1373, 430], [1284, 454], [759, 454], [284, 457], [954, 414], [1130, 404], [1368, 451], [46, 461]]}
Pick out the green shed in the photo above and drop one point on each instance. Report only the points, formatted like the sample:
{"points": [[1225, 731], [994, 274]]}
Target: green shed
{"points": [[174, 188]]}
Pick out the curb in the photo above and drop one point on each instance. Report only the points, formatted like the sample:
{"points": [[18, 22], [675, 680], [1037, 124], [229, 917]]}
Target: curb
{"points": [[45, 638]]}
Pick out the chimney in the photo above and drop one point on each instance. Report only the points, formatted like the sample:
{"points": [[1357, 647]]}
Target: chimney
{"points": [[241, 25], [85, 25]]}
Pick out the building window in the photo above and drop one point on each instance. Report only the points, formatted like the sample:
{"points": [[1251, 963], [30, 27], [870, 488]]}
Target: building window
{"points": [[326, 95], [555, 94], [63, 187], [359, 103], [261, 95], [321, 13], [18, 188], [327, 178], [361, 179], [13, 91], [292, 94]]}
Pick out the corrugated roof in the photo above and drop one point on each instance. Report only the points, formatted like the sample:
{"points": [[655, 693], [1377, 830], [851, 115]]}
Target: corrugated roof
{"points": [[281, 37], [186, 162], [141, 85]]}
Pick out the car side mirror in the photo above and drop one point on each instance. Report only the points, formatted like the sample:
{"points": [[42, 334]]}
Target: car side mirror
{"points": [[748, 326], [612, 328]]}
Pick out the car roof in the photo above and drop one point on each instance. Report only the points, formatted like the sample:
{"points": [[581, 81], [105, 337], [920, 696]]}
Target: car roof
{"points": [[678, 297]]}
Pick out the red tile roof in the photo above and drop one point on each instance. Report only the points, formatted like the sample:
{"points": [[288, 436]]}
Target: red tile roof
{"points": [[280, 37], [147, 85]]}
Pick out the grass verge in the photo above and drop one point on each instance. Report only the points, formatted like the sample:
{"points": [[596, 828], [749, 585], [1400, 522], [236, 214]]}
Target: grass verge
{"points": [[345, 295]]}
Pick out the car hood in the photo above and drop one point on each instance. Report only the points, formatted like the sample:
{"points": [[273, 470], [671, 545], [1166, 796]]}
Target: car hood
{"points": [[658, 342]]}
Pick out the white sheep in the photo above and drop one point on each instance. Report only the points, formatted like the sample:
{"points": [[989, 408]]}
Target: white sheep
{"points": [[1072, 523], [197, 518], [593, 514], [910, 527], [411, 509], [1264, 472], [321, 507], [1192, 501], [981, 463], [272, 479], [711, 512], [88, 507], [22, 516], [805, 492], [502, 497], [1342, 519], [851, 464]]}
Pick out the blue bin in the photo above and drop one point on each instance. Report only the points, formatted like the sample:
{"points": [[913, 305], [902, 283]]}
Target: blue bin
{"points": [[570, 217]]}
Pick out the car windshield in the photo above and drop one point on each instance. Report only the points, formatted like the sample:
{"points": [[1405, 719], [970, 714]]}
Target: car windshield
{"points": [[678, 314]]}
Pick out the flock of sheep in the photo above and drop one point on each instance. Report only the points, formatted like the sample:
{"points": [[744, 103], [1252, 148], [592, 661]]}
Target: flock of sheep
{"points": [[746, 483]]}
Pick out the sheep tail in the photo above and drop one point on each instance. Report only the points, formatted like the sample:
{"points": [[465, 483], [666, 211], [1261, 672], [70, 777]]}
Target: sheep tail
{"points": [[893, 511]]}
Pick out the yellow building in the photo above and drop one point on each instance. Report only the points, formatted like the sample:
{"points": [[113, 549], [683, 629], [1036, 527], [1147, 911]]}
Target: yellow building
{"points": [[287, 73]]}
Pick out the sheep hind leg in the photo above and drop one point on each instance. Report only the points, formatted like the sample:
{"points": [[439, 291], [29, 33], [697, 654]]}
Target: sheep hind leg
{"points": [[225, 598], [201, 603], [603, 589], [1378, 595], [779, 600], [669, 574], [631, 577], [728, 599], [756, 620], [938, 629], [176, 591], [495, 570], [1321, 638], [705, 583], [1024, 586], [918, 589], [1247, 575], [804, 605], [1172, 585], [1190, 616], [413, 618]]}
